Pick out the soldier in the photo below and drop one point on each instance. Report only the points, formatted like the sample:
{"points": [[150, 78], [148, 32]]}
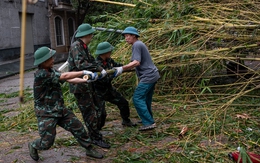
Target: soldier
{"points": [[85, 94], [104, 87], [49, 105], [147, 74]]}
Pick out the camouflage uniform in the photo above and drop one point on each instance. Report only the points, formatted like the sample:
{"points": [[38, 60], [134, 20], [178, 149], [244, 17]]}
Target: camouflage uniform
{"points": [[87, 99], [107, 92], [50, 111]]}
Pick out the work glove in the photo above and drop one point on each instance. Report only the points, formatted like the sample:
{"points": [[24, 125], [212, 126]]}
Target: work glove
{"points": [[118, 71], [103, 73], [92, 76]]}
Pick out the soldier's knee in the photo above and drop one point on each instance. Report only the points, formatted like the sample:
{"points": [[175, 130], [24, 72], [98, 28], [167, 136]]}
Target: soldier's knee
{"points": [[47, 144]]}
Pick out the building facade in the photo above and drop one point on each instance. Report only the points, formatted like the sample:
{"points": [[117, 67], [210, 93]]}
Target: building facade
{"points": [[48, 23], [62, 24]]}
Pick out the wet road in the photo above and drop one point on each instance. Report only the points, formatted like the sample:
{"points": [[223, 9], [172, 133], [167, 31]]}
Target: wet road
{"points": [[12, 83]]}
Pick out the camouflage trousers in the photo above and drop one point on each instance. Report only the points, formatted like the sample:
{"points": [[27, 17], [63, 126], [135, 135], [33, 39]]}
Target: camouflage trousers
{"points": [[116, 98], [68, 121], [89, 105]]}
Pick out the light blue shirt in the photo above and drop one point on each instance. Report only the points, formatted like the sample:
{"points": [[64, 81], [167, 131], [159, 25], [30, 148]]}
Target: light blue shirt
{"points": [[147, 72]]}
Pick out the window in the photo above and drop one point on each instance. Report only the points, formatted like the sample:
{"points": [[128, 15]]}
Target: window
{"points": [[59, 31], [71, 28]]}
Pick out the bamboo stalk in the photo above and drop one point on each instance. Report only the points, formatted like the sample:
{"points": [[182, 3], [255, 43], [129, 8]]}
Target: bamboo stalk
{"points": [[210, 52], [226, 23], [145, 2], [116, 3]]}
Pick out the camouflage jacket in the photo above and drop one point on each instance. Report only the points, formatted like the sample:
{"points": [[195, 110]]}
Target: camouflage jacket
{"points": [[80, 59], [48, 98], [105, 83]]}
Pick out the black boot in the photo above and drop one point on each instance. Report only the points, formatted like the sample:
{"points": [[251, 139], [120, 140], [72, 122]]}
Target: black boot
{"points": [[33, 152], [101, 143], [91, 152], [128, 123]]}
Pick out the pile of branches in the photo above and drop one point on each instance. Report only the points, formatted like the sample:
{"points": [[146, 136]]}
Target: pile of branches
{"points": [[196, 45], [207, 53]]}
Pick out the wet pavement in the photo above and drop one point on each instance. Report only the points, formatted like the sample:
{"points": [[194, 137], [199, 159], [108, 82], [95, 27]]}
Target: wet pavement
{"points": [[13, 67], [11, 83], [9, 73], [10, 68]]}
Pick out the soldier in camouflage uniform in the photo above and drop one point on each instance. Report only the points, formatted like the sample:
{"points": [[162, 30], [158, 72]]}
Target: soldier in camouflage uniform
{"points": [[104, 87], [85, 94], [49, 105]]}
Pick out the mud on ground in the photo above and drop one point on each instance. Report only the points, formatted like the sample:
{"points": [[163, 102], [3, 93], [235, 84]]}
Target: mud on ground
{"points": [[14, 145]]}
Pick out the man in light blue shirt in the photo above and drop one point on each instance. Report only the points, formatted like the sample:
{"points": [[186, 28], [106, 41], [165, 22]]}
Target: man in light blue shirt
{"points": [[147, 74]]}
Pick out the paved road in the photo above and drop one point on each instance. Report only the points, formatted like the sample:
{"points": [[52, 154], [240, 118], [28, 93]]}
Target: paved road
{"points": [[12, 83], [9, 68]]}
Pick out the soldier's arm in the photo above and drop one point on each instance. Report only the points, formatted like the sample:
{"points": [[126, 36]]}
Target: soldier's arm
{"points": [[77, 80], [116, 64], [82, 63], [71, 75]]}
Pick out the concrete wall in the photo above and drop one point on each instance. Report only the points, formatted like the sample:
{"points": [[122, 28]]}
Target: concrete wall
{"points": [[10, 27]]}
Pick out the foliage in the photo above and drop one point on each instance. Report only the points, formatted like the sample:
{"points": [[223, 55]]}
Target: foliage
{"points": [[69, 99], [191, 43]]}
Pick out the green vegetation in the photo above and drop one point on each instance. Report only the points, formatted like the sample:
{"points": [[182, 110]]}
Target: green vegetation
{"points": [[192, 43], [25, 119]]}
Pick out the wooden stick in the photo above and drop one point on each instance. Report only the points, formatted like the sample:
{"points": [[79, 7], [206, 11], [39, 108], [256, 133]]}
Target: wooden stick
{"points": [[117, 3], [23, 39]]}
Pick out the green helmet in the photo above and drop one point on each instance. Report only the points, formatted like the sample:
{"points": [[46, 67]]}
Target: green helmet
{"points": [[84, 29], [43, 54], [131, 30], [104, 47]]}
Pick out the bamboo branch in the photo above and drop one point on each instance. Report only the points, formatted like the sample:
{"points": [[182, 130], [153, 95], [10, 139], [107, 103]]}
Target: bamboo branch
{"points": [[209, 53], [116, 3]]}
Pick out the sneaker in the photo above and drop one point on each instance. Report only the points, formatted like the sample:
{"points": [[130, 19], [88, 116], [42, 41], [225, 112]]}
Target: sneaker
{"points": [[147, 127], [101, 143], [91, 152], [128, 123], [33, 152]]}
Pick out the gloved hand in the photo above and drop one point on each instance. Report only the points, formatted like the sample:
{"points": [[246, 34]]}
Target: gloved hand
{"points": [[103, 74], [118, 71], [93, 76]]}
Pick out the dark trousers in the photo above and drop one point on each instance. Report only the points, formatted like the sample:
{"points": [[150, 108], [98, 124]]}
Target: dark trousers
{"points": [[89, 105], [116, 98]]}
